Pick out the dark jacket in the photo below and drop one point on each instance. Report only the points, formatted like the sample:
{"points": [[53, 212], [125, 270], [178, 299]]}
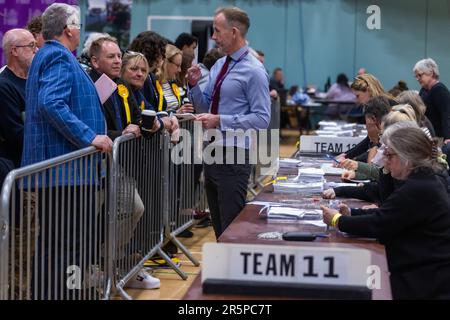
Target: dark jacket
{"points": [[437, 100], [151, 93], [109, 110], [360, 151], [414, 225], [12, 93]]}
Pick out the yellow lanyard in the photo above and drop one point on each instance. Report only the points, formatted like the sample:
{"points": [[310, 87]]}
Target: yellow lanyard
{"points": [[142, 105], [176, 91], [123, 92], [160, 94]]}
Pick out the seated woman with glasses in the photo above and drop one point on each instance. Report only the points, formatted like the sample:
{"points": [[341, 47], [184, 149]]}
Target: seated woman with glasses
{"points": [[374, 111], [413, 222], [372, 191]]}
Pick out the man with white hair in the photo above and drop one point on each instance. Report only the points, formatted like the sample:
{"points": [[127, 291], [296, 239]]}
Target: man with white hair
{"points": [[63, 114], [19, 48]]}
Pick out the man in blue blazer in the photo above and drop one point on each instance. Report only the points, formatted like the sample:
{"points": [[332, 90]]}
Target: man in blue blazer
{"points": [[64, 114], [63, 110]]}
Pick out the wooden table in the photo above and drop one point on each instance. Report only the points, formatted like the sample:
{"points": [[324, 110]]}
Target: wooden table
{"points": [[248, 225]]}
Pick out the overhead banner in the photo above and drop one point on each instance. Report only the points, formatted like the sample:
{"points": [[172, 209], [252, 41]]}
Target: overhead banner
{"points": [[17, 13]]}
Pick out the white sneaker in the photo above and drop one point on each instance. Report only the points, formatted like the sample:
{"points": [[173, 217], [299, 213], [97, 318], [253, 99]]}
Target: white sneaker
{"points": [[144, 281]]}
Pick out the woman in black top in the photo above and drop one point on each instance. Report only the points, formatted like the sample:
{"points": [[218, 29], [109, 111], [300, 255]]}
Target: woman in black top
{"points": [[435, 95], [413, 222]]}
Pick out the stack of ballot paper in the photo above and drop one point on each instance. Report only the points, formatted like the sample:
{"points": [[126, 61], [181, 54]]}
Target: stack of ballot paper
{"points": [[330, 170], [289, 163], [340, 129], [310, 175], [298, 187], [291, 213]]}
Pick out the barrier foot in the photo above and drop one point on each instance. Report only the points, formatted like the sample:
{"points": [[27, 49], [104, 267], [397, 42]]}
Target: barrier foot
{"points": [[183, 249], [171, 264], [107, 295], [123, 294]]}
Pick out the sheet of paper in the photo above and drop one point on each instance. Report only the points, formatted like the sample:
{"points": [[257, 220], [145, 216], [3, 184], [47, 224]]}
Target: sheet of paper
{"points": [[105, 87]]}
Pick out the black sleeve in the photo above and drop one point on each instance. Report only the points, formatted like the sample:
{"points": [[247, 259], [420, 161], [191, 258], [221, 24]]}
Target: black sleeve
{"points": [[361, 212], [113, 134], [11, 123], [360, 148], [134, 107], [389, 220], [386, 186], [367, 192], [363, 157], [441, 100]]}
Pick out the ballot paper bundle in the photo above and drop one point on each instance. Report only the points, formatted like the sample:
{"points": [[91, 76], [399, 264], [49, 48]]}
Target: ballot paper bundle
{"points": [[339, 129], [292, 215], [309, 181], [289, 163], [331, 170], [299, 188], [308, 175]]}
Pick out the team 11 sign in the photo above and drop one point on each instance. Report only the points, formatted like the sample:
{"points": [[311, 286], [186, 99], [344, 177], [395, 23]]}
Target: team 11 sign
{"points": [[306, 270], [328, 144]]}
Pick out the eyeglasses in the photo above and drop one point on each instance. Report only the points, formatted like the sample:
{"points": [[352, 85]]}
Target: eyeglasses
{"points": [[74, 25], [178, 65], [31, 45], [388, 154], [419, 75]]}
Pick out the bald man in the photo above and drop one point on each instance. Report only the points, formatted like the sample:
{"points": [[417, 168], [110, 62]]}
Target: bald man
{"points": [[19, 47]]}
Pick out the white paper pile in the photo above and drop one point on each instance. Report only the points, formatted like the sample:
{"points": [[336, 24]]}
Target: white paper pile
{"points": [[293, 213], [330, 170], [340, 129], [299, 188], [289, 163], [310, 175]]}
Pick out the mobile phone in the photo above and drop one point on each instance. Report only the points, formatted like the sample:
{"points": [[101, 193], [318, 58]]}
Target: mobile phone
{"points": [[299, 236]]}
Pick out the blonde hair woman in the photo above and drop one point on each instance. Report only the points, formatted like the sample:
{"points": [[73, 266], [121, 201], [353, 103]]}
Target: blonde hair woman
{"points": [[166, 83], [366, 86]]}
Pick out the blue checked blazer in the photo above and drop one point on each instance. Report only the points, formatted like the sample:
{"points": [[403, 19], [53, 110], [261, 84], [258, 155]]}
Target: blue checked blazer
{"points": [[63, 111]]}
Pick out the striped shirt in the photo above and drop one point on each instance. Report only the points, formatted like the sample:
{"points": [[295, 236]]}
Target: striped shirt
{"points": [[171, 98]]}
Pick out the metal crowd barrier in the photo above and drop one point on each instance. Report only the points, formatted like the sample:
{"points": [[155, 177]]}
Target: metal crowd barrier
{"points": [[81, 225], [182, 191], [153, 201], [53, 238], [137, 208]]}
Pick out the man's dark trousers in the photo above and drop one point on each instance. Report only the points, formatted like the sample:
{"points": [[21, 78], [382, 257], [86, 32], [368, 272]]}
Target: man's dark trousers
{"points": [[226, 188]]}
